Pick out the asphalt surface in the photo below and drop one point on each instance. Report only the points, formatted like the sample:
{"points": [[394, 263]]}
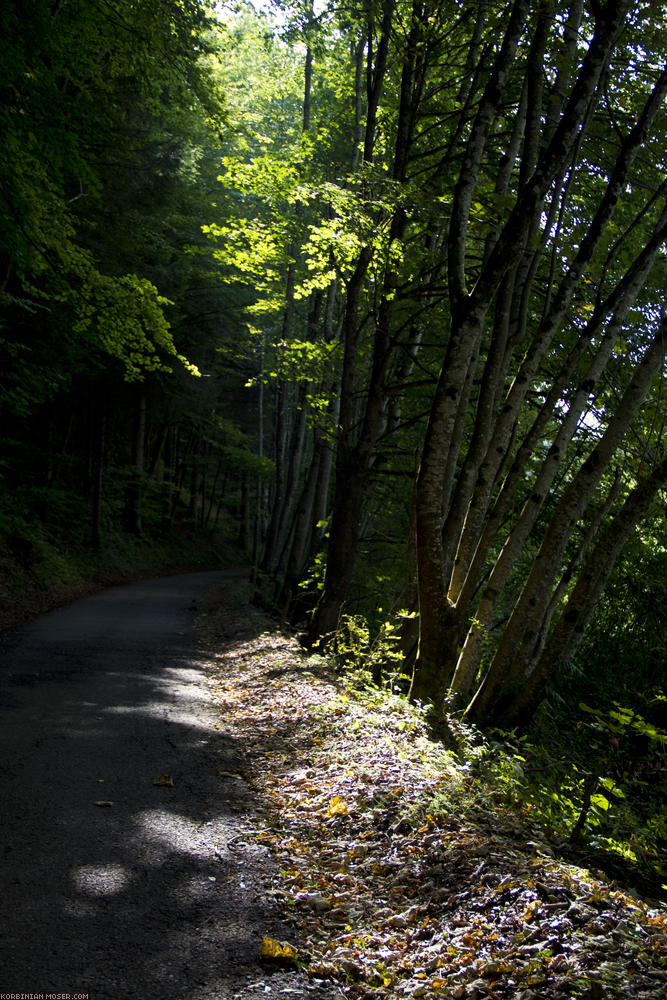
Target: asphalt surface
{"points": [[113, 885]]}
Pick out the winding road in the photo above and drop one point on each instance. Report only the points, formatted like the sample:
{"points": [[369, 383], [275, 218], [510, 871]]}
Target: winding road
{"points": [[114, 882]]}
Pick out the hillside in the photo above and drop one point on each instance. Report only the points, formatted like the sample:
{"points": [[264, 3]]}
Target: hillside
{"points": [[403, 874]]}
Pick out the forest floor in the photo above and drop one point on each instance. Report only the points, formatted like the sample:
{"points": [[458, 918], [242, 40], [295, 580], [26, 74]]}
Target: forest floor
{"points": [[397, 878]]}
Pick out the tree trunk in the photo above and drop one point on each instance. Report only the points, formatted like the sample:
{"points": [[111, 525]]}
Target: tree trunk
{"points": [[98, 455], [135, 488], [569, 630], [506, 668]]}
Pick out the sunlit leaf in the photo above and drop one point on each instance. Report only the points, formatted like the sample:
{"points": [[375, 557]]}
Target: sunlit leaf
{"points": [[338, 807], [278, 951]]}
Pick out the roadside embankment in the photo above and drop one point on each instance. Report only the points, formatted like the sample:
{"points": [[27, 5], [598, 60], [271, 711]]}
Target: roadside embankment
{"points": [[47, 574], [401, 877]]}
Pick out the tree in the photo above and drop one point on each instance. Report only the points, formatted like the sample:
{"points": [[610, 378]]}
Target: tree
{"points": [[450, 536], [506, 212], [78, 81], [110, 301]]}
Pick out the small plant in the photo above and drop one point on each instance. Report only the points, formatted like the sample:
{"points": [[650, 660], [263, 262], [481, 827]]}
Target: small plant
{"points": [[608, 796], [367, 661]]}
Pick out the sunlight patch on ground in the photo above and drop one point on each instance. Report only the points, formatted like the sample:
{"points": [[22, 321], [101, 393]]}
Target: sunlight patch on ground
{"points": [[101, 880], [178, 686], [157, 710], [178, 833]]}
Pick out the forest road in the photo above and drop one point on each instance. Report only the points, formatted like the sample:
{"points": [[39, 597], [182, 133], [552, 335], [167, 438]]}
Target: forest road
{"points": [[114, 883]]}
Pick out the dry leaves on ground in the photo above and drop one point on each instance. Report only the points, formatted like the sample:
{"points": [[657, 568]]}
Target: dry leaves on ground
{"points": [[387, 898]]}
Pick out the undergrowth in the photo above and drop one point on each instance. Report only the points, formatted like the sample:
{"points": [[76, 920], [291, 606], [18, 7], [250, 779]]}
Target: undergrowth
{"points": [[594, 786], [400, 870]]}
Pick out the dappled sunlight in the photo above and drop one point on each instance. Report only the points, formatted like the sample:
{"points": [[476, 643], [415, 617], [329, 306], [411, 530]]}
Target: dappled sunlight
{"points": [[157, 709], [101, 880], [177, 688], [123, 797], [176, 832], [405, 875], [190, 673]]}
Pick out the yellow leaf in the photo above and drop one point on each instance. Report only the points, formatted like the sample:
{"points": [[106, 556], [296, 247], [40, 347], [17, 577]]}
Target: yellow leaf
{"points": [[337, 807], [277, 950], [165, 780]]}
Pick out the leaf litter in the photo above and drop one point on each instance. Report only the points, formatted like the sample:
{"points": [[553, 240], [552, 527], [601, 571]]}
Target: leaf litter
{"points": [[391, 892]]}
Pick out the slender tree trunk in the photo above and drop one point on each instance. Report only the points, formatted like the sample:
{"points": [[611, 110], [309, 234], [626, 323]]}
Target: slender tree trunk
{"points": [[285, 518], [135, 489], [158, 450], [568, 632], [434, 484], [358, 102], [303, 524], [98, 455], [506, 668], [246, 534], [258, 526], [213, 493]]}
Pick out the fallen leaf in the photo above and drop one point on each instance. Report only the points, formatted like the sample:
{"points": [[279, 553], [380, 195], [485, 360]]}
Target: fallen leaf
{"points": [[164, 780], [278, 951], [102, 802], [314, 900], [338, 807]]}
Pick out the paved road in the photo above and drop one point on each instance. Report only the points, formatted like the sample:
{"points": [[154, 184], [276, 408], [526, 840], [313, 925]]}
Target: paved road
{"points": [[139, 899]]}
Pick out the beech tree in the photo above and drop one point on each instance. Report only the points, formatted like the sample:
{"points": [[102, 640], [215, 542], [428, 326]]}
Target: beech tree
{"points": [[512, 317], [85, 87], [491, 255], [109, 300]]}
